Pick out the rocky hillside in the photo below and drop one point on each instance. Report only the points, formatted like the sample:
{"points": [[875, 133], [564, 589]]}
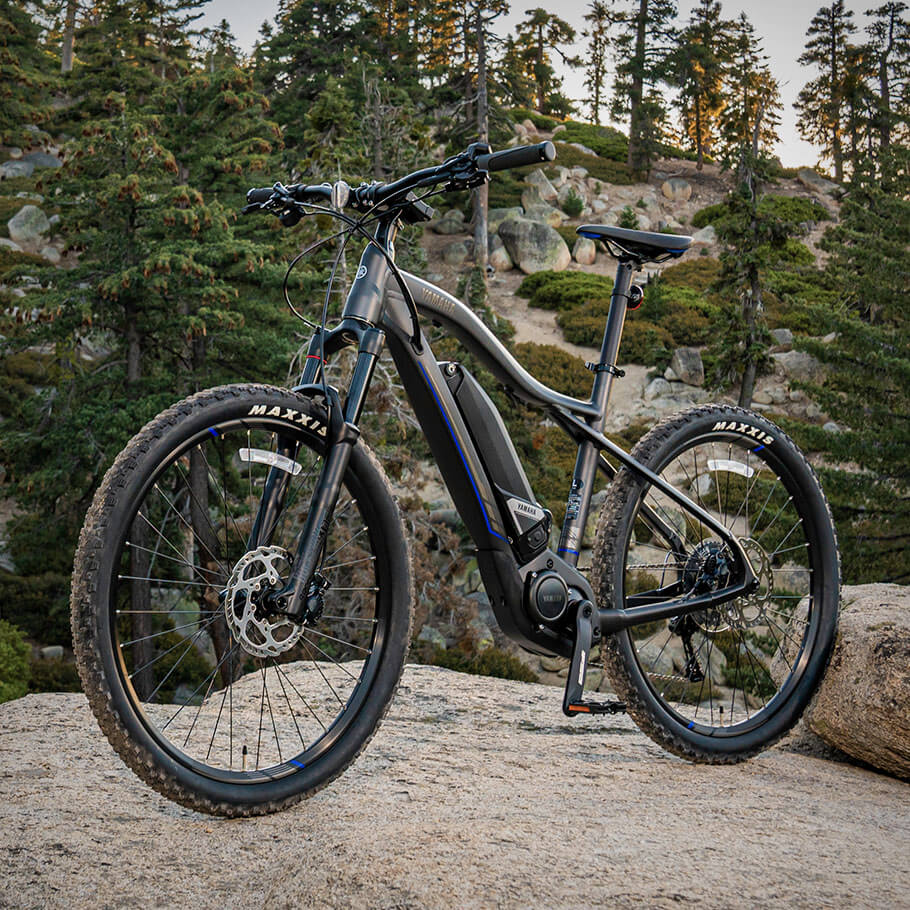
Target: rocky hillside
{"points": [[475, 793]]}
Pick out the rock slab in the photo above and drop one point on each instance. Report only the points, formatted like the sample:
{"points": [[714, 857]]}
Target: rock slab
{"points": [[534, 246], [475, 793], [863, 705], [28, 224], [686, 363]]}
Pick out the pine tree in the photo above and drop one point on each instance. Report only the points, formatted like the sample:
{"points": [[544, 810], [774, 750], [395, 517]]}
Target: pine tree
{"points": [[159, 267], [484, 13], [889, 40], [311, 44], [438, 32], [698, 66], [859, 109], [820, 103], [538, 36], [27, 70], [221, 48], [646, 38], [516, 85], [867, 383], [754, 238], [751, 93], [599, 21]]}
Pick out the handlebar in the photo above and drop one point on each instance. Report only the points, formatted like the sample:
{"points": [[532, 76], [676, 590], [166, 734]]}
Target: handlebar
{"points": [[470, 168]]}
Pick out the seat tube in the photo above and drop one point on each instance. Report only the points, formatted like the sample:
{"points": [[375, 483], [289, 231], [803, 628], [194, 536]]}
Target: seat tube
{"points": [[585, 472]]}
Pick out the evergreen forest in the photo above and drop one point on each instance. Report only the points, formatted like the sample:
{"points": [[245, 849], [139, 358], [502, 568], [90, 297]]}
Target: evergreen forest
{"points": [[130, 133]]}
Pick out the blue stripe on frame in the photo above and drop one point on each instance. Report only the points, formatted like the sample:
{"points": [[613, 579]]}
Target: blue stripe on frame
{"points": [[445, 417]]}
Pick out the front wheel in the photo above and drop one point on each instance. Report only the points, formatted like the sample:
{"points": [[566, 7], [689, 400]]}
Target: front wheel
{"points": [[719, 685], [209, 697]]}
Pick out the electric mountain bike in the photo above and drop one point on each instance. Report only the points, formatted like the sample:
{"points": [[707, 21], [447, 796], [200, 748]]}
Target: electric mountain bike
{"points": [[241, 601]]}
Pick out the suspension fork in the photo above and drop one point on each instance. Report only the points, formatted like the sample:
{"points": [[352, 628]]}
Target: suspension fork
{"points": [[342, 435]]}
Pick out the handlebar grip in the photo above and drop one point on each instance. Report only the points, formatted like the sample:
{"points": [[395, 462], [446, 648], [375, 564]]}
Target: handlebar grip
{"points": [[517, 157], [322, 192], [259, 194]]}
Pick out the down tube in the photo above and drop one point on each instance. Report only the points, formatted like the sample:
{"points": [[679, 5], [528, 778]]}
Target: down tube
{"points": [[471, 491]]}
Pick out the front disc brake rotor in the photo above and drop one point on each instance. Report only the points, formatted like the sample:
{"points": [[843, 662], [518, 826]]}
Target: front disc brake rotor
{"points": [[255, 574]]}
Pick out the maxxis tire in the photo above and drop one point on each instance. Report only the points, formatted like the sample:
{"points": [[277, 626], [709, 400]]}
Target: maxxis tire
{"points": [[101, 677], [655, 450]]}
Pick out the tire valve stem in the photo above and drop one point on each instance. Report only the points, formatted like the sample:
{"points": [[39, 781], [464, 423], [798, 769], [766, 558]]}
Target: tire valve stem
{"points": [[244, 752]]}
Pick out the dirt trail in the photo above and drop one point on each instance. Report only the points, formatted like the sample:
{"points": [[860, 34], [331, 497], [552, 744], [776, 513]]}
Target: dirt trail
{"points": [[476, 793]]}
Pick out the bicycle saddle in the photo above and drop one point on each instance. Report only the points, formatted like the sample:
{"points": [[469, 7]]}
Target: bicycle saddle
{"points": [[643, 246]]}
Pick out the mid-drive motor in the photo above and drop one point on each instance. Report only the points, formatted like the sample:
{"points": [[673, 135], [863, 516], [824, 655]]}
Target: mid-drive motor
{"points": [[548, 597]]}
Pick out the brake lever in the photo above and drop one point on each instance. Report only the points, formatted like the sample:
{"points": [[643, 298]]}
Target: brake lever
{"points": [[290, 216]]}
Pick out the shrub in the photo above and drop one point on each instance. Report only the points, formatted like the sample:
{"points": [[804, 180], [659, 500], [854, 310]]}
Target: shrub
{"points": [[550, 464], [54, 675], [805, 285], [628, 218], [567, 232], [39, 604], [9, 260], [581, 326], [27, 365], [647, 344], [564, 290], [794, 253], [606, 141], [530, 283], [709, 215], [698, 274], [13, 392], [795, 209], [555, 367], [573, 205], [491, 662], [687, 325], [14, 662], [9, 206], [506, 188], [616, 172], [542, 122]]}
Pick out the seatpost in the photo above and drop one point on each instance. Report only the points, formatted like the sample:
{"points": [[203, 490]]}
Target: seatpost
{"points": [[604, 372]]}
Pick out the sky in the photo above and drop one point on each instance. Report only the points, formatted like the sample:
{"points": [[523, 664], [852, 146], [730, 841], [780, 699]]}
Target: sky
{"points": [[781, 23]]}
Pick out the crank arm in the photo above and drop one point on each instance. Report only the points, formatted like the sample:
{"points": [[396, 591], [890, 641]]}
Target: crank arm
{"points": [[573, 701]]}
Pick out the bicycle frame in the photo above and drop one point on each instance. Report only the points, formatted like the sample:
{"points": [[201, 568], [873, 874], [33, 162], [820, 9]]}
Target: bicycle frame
{"points": [[377, 312]]}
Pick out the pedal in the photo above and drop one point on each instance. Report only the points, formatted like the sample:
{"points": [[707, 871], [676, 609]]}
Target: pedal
{"points": [[596, 707], [573, 702]]}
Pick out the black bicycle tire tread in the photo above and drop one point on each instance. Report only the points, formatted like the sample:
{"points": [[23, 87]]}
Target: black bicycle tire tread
{"points": [[85, 640], [605, 542]]}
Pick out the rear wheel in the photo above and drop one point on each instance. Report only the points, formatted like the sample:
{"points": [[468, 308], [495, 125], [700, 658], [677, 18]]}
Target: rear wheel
{"points": [[210, 698], [719, 685]]}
